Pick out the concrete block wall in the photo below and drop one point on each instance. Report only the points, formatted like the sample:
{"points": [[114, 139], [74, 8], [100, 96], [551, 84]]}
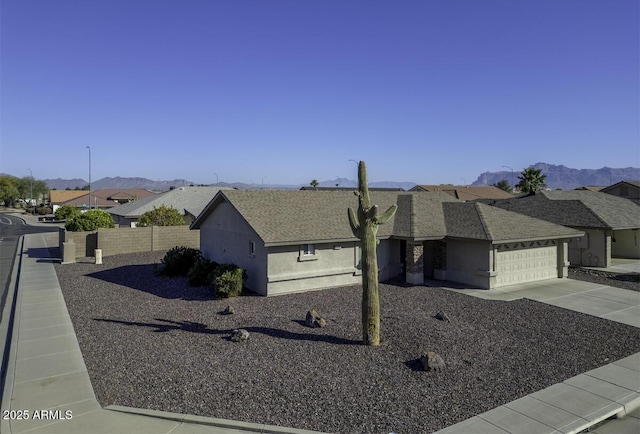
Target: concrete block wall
{"points": [[117, 241]]}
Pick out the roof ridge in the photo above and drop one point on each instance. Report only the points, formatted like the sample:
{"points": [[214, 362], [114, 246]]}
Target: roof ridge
{"points": [[482, 216]]}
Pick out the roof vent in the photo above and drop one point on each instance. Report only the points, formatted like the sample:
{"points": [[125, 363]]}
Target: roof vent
{"points": [[182, 188]]}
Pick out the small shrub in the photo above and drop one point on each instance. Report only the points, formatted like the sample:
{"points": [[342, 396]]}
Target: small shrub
{"points": [[228, 283], [162, 216], [179, 260], [202, 272]]}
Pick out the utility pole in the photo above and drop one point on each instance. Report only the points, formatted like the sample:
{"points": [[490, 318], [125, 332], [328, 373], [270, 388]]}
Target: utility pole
{"points": [[89, 148], [33, 210]]}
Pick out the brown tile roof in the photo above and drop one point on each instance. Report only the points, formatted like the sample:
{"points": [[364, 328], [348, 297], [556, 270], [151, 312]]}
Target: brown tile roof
{"points": [[60, 196], [467, 192], [83, 201]]}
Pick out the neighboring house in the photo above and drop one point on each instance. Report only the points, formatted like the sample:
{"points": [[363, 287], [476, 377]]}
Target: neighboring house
{"points": [[466, 192], [611, 223], [293, 241], [627, 189], [58, 197], [190, 201], [103, 199]]}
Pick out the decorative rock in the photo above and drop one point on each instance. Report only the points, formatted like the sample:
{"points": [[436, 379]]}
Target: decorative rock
{"points": [[239, 335], [442, 316], [314, 319], [229, 310], [432, 362]]}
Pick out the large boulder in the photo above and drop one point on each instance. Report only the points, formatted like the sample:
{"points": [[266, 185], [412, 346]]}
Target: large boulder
{"points": [[239, 335], [314, 319], [432, 361]]}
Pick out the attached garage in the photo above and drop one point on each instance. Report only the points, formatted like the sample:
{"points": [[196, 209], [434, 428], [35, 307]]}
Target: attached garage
{"points": [[526, 262]]}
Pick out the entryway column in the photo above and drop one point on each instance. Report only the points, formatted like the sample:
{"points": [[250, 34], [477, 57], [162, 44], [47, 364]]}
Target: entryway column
{"points": [[415, 263]]}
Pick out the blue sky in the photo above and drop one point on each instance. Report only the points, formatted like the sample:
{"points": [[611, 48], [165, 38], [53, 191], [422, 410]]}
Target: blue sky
{"points": [[287, 91]]}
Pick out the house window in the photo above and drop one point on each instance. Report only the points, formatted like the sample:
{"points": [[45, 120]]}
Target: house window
{"points": [[309, 249], [252, 248]]}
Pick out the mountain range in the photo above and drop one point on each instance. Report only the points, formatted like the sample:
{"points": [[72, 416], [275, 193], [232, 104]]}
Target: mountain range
{"points": [[558, 177], [566, 178]]}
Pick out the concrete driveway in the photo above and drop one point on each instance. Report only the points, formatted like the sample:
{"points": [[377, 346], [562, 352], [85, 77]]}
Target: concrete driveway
{"points": [[615, 304]]}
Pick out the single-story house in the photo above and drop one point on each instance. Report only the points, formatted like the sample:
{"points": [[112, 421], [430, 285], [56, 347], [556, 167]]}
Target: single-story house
{"points": [[190, 201], [104, 198], [293, 241], [627, 189], [466, 192], [611, 223]]}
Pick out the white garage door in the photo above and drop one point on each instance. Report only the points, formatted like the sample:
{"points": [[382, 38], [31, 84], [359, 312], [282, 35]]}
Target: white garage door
{"points": [[526, 262]]}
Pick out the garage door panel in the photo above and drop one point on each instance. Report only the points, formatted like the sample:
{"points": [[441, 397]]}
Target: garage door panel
{"points": [[521, 263]]}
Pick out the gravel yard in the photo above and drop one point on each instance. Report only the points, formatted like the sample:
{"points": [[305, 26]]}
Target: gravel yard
{"points": [[154, 342]]}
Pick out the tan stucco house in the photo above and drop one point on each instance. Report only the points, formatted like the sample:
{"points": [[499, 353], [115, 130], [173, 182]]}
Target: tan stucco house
{"points": [[293, 241], [611, 223]]}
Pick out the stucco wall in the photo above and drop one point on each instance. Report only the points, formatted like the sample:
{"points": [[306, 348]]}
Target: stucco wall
{"points": [[333, 264], [626, 244], [468, 262], [591, 250], [225, 237]]}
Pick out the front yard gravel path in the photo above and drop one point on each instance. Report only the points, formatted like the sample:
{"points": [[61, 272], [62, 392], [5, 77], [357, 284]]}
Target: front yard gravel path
{"points": [[154, 342]]}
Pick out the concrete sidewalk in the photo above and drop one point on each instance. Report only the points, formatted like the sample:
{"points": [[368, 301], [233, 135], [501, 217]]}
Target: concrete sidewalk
{"points": [[48, 378]]}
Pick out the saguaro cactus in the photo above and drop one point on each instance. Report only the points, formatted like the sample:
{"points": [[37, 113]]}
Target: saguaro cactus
{"points": [[364, 225]]}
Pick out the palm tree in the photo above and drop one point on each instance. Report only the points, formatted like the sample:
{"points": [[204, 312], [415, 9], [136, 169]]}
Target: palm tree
{"points": [[531, 180], [314, 183], [504, 185]]}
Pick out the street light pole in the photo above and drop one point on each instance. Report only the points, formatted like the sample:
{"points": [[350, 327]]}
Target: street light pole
{"points": [[513, 187], [33, 208], [89, 148]]}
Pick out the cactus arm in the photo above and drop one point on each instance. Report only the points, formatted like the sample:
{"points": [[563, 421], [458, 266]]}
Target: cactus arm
{"points": [[353, 221], [387, 215]]}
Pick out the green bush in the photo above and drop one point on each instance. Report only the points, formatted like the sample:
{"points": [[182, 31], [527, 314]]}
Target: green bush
{"points": [[179, 260], [161, 216], [90, 221], [228, 283], [202, 272], [66, 212]]}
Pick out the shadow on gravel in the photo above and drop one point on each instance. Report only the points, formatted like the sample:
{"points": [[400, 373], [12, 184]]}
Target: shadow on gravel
{"points": [[285, 334], [165, 325], [415, 365], [146, 278]]}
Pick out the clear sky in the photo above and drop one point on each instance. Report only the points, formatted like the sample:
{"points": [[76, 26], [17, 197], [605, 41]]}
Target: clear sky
{"points": [[428, 91]]}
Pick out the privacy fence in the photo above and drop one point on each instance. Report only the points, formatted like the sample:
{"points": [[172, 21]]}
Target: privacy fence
{"points": [[118, 241]]}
